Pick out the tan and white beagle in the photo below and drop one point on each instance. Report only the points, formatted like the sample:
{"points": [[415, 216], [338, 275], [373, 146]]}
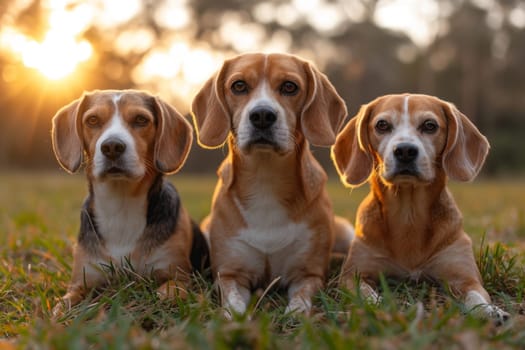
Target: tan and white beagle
{"points": [[271, 216], [409, 226], [128, 140]]}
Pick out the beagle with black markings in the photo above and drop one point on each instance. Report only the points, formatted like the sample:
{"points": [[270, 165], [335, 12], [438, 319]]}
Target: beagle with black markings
{"points": [[128, 140], [409, 226], [271, 216]]}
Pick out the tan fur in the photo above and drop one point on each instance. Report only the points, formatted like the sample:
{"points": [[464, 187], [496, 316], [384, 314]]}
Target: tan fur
{"points": [[288, 175], [408, 226], [162, 145]]}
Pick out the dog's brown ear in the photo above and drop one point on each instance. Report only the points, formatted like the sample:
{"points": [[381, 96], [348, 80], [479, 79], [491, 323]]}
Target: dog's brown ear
{"points": [[351, 151], [324, 110], [174, 137], [65, 132], [466, 147], [210, 116]]}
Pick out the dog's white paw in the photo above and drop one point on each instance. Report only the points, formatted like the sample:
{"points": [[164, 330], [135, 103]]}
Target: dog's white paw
{"points": [[374, 299], [298, 305], [491, 312], [478, 306], [369, 294]]}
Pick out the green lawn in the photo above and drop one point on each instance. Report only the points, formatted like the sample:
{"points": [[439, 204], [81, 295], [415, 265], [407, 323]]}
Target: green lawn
{"points": [[39, 217]]}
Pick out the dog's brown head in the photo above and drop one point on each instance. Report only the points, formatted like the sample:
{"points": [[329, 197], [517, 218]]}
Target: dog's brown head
{"points": [[409, 139], [120, 134], [267, 102]]}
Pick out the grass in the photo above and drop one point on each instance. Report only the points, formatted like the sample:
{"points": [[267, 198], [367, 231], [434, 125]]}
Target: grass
{"points": [[39, 217]]}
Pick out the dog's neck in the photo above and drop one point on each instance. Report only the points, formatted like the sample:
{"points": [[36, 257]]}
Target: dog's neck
{"points": [[294, 177], [412, 206], [120, 207], [410, 219]]}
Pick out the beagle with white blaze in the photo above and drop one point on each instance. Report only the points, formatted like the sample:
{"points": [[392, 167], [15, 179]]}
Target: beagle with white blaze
{"points": [[271, 217], [409, 226], [128, 140]]}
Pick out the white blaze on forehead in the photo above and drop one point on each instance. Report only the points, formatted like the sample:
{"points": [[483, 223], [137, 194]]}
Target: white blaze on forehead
{"points": [[116, 99], [405, 130], [405, 115], [117, 128]]}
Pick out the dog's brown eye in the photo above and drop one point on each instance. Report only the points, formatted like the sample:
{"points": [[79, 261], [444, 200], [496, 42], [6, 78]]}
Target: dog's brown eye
{"points": [[141, 120], [289, 88], [429, 126], [239, 87], [382, 126], [93, 121]]}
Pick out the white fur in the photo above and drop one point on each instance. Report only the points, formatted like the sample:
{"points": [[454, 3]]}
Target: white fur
{"points": [[263, 97], [121, 218], [299, 305], [480, 307], [269, 229], [270, 237], [116, 128], [298, 302], [235, 297], [369, 294]]}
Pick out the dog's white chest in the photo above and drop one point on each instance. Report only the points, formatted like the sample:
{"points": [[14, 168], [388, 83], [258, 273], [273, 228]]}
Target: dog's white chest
{"points": [[268, 226], [120, 221]]}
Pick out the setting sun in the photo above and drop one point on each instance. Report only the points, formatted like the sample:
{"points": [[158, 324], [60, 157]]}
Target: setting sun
{"points": [[60, 50], [55, 57]]}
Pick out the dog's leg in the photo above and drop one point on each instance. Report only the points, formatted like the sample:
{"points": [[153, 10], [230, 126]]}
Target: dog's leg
{"points": [[300, 294], [366, 265], [234, 296], [84, 277], [173, 286], [456, 266], [368, 292], [75, 293]]}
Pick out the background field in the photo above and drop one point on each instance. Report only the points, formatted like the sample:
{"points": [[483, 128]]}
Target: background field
{"points": [[38, 223]]}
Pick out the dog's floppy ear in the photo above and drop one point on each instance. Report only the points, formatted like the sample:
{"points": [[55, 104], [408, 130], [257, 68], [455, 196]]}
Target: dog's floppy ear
{"points": [[210, 116], [174, 137], [324, 109], [351, 151], [466, 147], [65, 132]]}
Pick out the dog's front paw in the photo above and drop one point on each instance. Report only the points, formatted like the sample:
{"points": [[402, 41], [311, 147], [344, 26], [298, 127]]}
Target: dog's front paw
{"points": [[60, 309], [374, 299], [479, 307], [496, 314], [369, 294], [298, 305], [490, 312], [234, 308], [172, 289]]}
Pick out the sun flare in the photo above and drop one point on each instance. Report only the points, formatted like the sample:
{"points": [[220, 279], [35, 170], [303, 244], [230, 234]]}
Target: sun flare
{"points": [[60, 51], [56, 57]]}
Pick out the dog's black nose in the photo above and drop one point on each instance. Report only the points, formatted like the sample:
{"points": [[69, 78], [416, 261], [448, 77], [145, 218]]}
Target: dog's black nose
{"points": [[263, 117], [113, 148], [405, 152]]}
